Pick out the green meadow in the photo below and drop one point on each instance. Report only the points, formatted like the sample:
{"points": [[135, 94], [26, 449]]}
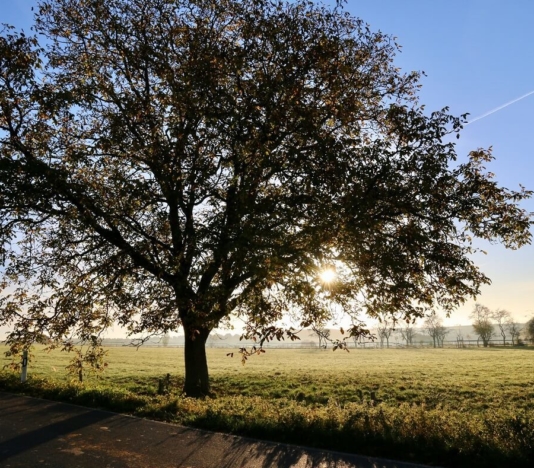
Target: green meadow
{"points": [[446, 407]]}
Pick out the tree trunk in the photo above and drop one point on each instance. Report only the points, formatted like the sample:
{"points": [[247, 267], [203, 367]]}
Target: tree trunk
{"points": [[196, 382]]}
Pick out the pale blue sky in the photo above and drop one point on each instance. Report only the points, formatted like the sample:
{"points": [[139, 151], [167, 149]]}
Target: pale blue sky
{"points": [[478, 55]]}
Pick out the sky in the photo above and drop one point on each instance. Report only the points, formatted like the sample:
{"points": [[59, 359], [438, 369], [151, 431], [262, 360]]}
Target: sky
{"points": [[477, 55]]}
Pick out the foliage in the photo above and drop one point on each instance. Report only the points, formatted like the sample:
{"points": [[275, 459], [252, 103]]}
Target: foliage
{"points": [[171, 163], [482, 325], [446, 407], [89, 359]]}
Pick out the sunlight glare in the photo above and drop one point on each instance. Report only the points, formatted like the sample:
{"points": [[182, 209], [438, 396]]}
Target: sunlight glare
{"points": [[327, 275]]}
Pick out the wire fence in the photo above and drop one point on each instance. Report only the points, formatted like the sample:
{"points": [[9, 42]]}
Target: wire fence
{"points": [[350, 344]]}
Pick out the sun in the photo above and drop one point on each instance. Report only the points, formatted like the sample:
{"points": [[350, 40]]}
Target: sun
{"points": [[327, 275]]}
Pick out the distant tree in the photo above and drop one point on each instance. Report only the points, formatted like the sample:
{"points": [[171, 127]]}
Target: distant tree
{"points": [[359, 340], [356, 340], [165, 340], [514, 330], [459, 338], [407, 333], [169, 164], [482, 325], [434, 327], [501, 318], [215, 338], [322, 333], [442, 333], [529, 330], [384, 331]]}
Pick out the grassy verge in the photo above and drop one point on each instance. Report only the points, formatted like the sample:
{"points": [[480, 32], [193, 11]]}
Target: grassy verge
{"points": [[444, 407]]}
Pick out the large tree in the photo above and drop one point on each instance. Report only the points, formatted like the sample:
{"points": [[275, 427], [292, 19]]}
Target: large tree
{"points": [[168, 163]]}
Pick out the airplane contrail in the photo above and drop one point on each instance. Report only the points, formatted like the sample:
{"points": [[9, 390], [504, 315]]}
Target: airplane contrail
{"points": [[499, 108]]}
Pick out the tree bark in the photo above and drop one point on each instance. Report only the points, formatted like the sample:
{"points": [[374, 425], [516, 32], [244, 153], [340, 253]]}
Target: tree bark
{"points": [[196, 382]]}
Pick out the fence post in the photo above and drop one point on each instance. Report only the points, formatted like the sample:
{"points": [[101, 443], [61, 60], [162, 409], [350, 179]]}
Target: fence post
{"points": [[24, 373]]}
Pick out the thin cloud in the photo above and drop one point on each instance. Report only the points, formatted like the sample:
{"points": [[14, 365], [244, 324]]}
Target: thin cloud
{"points": [[497, 109]]}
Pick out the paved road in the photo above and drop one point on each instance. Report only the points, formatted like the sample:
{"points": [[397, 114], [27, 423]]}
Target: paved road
{"points": [[41, 433]]}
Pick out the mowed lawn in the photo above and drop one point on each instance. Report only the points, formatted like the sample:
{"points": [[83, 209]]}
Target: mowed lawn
{"points": [[449, 407]]}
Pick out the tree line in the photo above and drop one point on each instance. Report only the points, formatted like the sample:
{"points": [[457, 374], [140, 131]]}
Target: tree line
{"points": [[487, 324]]}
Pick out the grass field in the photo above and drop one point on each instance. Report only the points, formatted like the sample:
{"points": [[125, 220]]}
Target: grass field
{"points": [[448, 407]]}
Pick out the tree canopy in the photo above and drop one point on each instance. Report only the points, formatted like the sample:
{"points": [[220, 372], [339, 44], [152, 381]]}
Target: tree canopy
{"points": [[168, 163]]}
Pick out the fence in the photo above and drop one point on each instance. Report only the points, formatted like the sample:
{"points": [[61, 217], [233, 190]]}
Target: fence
{"points": [[350, 344]]}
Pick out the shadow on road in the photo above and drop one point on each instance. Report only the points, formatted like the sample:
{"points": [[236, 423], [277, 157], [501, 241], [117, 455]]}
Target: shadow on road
{"points": [[46, 433], [243, 452]]}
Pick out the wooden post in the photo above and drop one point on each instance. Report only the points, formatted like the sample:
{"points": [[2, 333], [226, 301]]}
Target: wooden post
{"points": [[24, 373]]}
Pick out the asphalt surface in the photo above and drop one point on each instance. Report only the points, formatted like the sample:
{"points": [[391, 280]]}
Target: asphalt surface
{"points": [[41, 433]]}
